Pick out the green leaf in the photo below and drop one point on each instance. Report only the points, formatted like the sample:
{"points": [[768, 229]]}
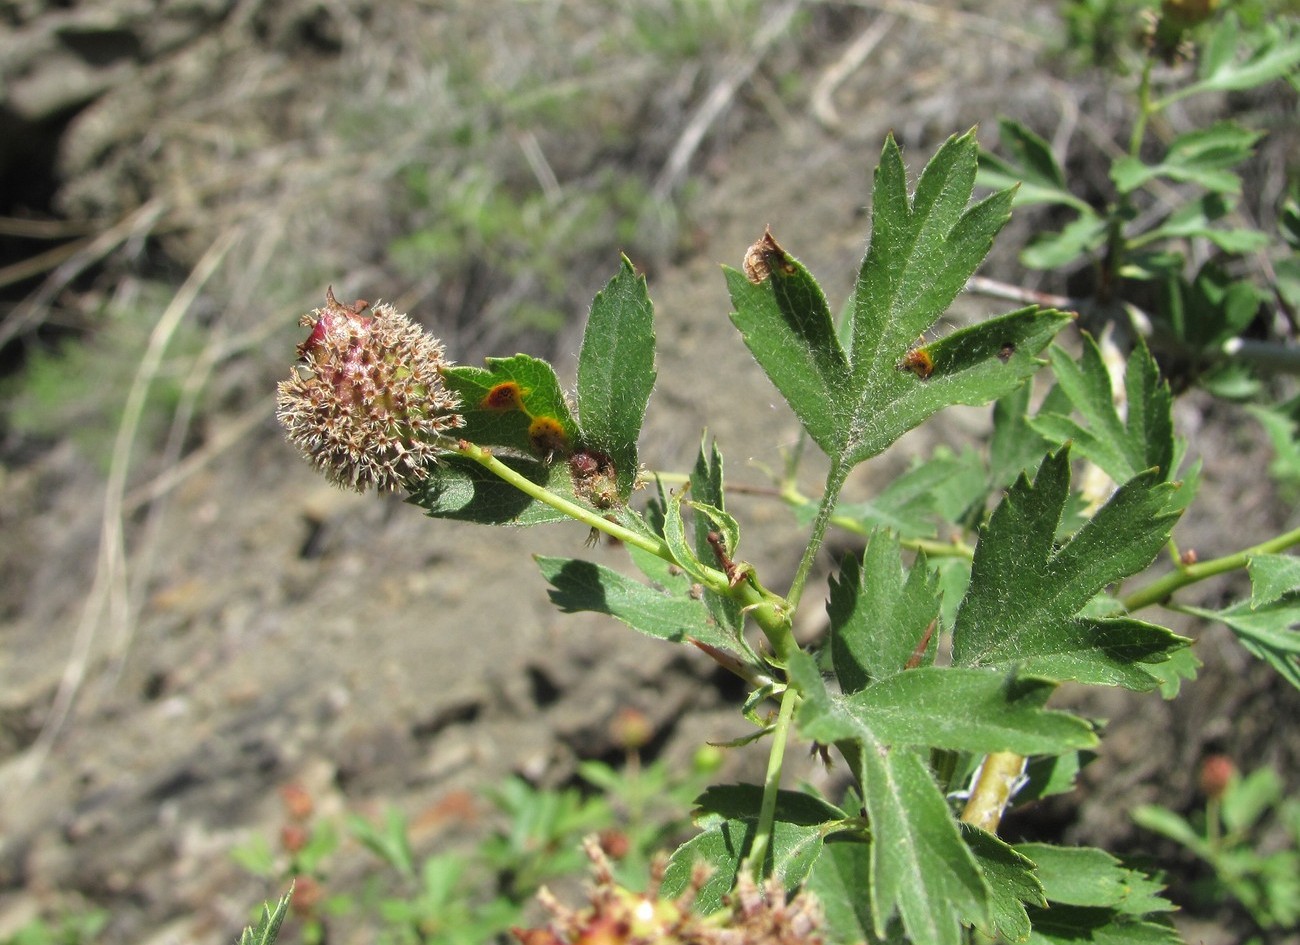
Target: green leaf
{"points": [[946, 707], [1181, 665], [722, 802], [1168, 824], [1029, 164], [1083, 876], [1247, 799], [787, 327], [460, 489], [1274, 55], [1014, 445], [1071, 925], [923, 250], [935, 489], [1011, 879], [722, 846], [1079, 237], [709, 494], [616, 372], [501, 401], [1121, 447], [584, 586], [840, 879], [972, 366], [879, 614], [1272, 577], [1269, 632], [1201, 157], [1022, 608], [267, 929], [1196, 218], [920, 867]]}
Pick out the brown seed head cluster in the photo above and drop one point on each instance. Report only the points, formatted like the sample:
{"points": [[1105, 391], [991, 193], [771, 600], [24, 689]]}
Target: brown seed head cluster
{"points": [[367, 404], [757, 915]]}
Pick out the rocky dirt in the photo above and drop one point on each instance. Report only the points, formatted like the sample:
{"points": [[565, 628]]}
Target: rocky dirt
{"points": [[242, 626]]}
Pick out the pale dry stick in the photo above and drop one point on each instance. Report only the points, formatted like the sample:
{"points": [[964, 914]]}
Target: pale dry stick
{"points": [[717, 101], [850, 61], [945, 15], [134, 225], [540, 167], [196, 377], [108, 592]]}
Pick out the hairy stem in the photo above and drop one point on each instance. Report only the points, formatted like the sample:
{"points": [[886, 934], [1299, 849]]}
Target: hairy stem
{"points": [[1160, 590], [758, 850], [830, 496]]}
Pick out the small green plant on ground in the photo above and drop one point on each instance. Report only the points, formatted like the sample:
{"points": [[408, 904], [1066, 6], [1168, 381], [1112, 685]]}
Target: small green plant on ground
{"points": [[462, 898], [988, 579], [1249, 836]]}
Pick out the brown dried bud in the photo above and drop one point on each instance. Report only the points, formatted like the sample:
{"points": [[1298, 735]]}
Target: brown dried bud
{"points": [[367, 406], [613, 915], [762, 256]]}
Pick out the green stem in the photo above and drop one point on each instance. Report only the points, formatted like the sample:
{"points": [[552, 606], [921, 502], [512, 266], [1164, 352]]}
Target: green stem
{"points": [[769, 611], [485, 458], [835, 478], [1146, 108], [1160, 590], [771, 785]]}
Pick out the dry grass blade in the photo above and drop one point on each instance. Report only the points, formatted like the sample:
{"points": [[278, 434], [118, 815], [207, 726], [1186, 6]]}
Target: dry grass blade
{"points": [[107, 602]]}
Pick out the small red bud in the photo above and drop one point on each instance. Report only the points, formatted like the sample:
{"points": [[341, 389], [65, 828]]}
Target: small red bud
{"points": [[1217, 772], [614, 843], [307, 894], [298, 804], [631, 729], [1189, 557], [293, 837]]}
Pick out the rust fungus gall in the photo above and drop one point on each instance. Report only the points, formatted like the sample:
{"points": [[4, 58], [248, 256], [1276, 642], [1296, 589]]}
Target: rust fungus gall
{"points": [[918, 361], [505, 396], [547, 436]]}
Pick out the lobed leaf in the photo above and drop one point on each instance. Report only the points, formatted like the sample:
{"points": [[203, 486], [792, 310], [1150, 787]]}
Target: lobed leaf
{"points": [[972, 366], [947, 707], [1030, 167], [880, 613], [1270, 631], [722, 846], [1011, 880], [1272, 577], [809, 378], [1121, 447], [920, 867], [267, 928], [1023, 606]]}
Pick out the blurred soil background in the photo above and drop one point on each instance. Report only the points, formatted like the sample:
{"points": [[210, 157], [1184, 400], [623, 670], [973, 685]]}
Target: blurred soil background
{"points": [[190, 618]]}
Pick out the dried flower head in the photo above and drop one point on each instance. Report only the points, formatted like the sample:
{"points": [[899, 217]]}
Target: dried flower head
{"points": [[755, 915], [367, 404]]}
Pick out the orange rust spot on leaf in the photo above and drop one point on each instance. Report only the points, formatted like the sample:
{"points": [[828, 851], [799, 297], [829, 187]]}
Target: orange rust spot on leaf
{"points": [[505, 396], [918, 361], [547, 436]]}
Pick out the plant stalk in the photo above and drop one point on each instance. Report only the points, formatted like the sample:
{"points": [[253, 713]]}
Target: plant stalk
{"points": [[758, 850], [835, 478], [992, 790], [1160, 590]]}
